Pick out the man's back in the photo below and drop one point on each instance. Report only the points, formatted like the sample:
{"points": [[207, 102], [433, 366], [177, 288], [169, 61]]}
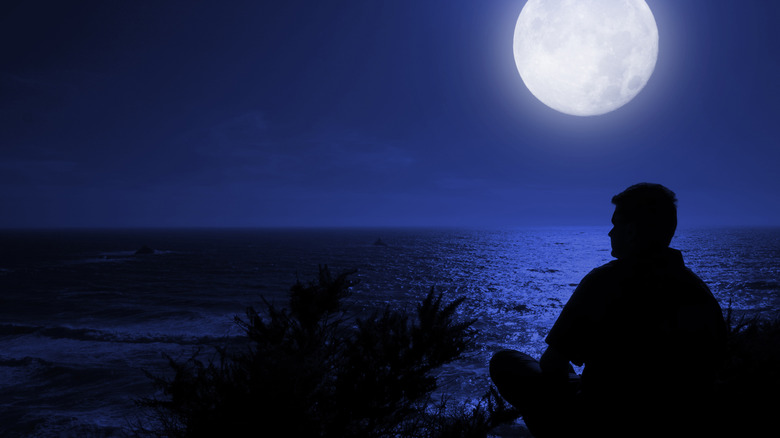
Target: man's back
{"points": [[649, 332]]}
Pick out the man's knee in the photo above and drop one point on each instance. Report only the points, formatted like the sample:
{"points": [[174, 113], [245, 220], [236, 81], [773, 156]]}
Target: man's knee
{"points": [[516, 375], [513, 364], [499, 363], [500, 366]]}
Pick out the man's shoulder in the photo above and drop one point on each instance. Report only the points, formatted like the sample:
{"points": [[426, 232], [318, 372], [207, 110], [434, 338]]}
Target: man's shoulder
{"points": [[607, 267], [601, 279], [605, 271]]}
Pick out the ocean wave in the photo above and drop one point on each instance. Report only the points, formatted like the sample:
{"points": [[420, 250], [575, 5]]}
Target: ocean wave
{"points": [[95, 335], [115, 257], [763, 285], [132, 253], [26, 361]]}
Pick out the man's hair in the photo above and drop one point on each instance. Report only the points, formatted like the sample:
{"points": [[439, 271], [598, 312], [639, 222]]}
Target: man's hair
{"points": [[653, 208]]}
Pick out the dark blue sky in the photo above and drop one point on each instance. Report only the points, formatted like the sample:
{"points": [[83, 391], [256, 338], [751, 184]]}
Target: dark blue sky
{"points": [[350, 112]]}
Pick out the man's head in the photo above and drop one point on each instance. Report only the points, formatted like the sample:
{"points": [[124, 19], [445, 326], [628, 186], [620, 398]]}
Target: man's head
{"points": [[644, 221]]}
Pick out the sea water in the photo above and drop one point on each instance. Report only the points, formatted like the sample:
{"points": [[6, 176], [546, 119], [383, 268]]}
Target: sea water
{"points": [[82, 317]]}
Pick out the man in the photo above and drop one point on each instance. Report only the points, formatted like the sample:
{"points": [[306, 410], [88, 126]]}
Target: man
{"points": [[648, 331]]}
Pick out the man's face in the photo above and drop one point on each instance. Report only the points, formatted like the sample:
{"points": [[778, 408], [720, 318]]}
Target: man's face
{"points": [[622, 236]]}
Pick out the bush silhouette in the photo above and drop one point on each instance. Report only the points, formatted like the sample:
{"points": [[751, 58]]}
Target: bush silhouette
{"points": [[750, 379], [313, 370]]}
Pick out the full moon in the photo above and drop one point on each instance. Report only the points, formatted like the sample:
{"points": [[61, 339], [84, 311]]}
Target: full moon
{"points": [[585, 57]]}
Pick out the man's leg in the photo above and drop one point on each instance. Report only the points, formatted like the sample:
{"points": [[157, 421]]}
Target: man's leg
{"points": [[518, 378], [546, 407]]}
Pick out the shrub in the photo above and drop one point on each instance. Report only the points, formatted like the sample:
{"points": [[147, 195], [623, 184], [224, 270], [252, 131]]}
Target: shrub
{"points": [[313, 370], [750, 379]]}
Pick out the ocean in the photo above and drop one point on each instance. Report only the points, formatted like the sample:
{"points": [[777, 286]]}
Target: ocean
{"points": [[82, 317]]}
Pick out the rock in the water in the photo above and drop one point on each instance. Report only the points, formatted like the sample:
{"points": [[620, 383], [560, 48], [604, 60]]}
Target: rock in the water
{"points": [[144, 250]]}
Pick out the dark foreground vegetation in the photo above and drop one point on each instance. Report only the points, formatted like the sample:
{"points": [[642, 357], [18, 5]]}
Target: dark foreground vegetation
{"points": [[313, 369], [748, 391]]}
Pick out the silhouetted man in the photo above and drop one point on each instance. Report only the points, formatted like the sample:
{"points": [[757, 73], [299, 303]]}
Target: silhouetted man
{"points": [[647, 329]]}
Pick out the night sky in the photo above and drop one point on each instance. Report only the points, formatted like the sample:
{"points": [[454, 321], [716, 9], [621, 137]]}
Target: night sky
{"points": [[367, 113]]}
